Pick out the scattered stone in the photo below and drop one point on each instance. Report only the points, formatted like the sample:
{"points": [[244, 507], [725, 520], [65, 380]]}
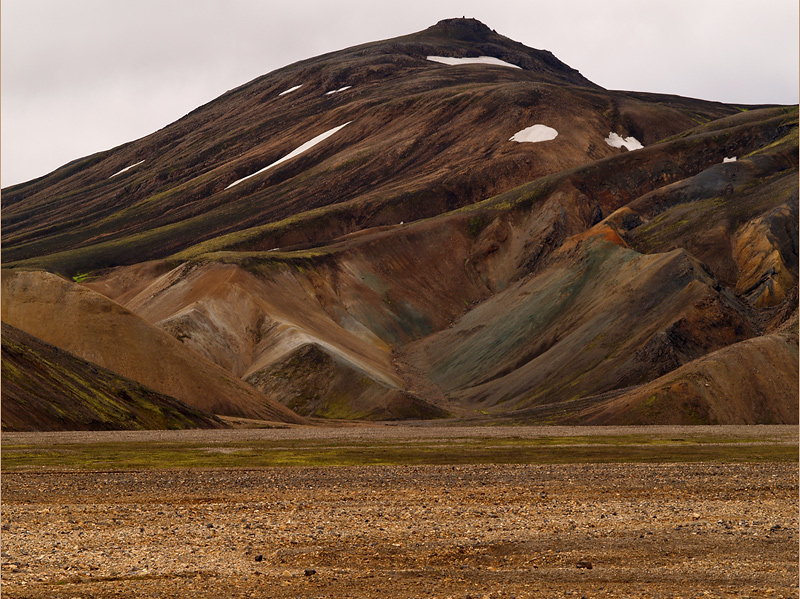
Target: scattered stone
{"points": [[310, 572], [444, 544]]}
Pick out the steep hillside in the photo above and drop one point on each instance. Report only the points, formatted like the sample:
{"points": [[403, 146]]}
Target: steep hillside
{"points": [[753, 381], [48, 389], [446, 224], [94, 328]]}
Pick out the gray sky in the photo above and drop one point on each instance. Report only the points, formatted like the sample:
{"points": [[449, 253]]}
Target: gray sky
{"points": [[80, 76]]}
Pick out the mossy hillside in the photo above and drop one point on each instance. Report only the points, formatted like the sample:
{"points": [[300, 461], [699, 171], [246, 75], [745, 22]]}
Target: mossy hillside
{"points": [[783, 114], [181, 234]]}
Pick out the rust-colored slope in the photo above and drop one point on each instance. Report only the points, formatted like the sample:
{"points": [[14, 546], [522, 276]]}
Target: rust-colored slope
{"points": [[99, 330], [48, 389], [767, 255], [351, 308], [739, 218], [244, 322]]}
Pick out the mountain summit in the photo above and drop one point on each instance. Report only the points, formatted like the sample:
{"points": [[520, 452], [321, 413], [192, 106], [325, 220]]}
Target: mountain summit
{"points": [[471, 38], [444, 224], [465, 30]]}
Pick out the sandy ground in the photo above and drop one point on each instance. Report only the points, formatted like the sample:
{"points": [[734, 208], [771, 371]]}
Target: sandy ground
{"points": [[657, 530]]}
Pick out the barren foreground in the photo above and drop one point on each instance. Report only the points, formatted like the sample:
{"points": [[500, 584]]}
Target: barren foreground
{"points": [[535, 530]]}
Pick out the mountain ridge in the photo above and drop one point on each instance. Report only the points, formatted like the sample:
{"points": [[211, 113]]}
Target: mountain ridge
{"points": [[418, 262]]}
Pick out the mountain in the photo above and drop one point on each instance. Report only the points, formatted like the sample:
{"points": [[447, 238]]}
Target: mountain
{"points": [[363, 235]]}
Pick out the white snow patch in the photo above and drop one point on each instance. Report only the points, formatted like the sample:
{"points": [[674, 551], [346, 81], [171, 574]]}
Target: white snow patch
{"points": [[535, 134], [477, 60], [336, 91], [290, 90], [616, 141], [724, 160], [127, 168], [306, 146]]}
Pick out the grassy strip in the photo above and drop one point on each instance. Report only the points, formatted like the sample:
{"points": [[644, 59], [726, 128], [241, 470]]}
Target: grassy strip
{"points": [[550, 450]]}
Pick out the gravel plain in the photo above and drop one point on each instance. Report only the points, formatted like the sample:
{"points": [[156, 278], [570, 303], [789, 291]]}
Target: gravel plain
{"points": [[539, 531]]}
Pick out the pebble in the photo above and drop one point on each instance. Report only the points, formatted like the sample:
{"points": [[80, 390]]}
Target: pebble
{"points": [[418, 525]]}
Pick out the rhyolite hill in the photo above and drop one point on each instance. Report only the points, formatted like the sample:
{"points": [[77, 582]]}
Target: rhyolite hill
{"points": [[357, 236]]}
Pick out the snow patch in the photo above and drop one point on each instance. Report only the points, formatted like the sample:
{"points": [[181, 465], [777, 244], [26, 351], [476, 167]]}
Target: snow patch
{"points": [[617, 141], [296, 152], [477, 60], [336, 91], [290, 90], [724, 160], [534, 134], [127, 168]]}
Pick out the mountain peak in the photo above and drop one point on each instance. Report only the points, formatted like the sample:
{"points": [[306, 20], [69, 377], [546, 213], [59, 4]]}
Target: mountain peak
{"points": [[463, 29]]}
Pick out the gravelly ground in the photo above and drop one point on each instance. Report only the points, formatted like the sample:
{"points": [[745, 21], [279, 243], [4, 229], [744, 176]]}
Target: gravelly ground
{"points": [[677, 530]]}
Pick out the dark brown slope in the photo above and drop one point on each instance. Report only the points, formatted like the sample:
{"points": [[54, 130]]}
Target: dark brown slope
{"points": [[317, 382], [423, 138], [48, 389]]}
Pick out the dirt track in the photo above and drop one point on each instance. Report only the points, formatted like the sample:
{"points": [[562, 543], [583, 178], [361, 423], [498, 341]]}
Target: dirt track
{"points": [[678, 530]]}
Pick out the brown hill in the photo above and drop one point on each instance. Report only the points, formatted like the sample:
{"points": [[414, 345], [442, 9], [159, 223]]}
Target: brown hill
{"points": [[753, 381], [48, 389], [98, 330], [416, 261]]}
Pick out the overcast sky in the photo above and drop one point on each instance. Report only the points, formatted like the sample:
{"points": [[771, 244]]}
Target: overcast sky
{"points": [[81, 76]]}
